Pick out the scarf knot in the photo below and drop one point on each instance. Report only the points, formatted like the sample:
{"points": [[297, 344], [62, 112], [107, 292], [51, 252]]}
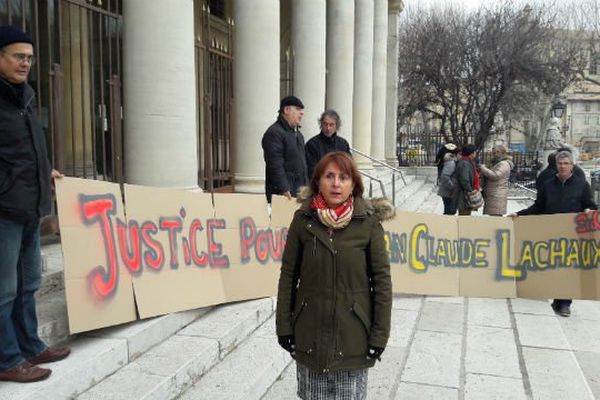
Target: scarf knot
{"points": [[335, 218]]}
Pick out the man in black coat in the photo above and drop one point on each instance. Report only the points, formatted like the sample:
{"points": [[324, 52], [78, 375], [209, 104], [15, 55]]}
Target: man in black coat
{"points": [[283, 150], [565, 192], [326, 141], [550, 171], [25, 197]]}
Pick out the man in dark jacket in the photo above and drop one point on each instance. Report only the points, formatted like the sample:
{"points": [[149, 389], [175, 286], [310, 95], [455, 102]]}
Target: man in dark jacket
{"points": [[283, 149], [550, 171], [566, 192], [25, 197], [326, 141]]}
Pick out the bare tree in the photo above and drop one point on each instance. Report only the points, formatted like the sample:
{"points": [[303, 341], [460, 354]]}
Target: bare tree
{"points": [[463, 68]]}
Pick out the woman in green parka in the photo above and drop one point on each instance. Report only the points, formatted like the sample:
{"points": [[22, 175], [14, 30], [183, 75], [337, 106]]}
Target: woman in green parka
{"points": [[335, 291]]}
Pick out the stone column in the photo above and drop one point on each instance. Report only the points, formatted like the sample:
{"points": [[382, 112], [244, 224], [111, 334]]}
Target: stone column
{"points": [[391, 115], [379, 79], [256, 87], [308, 46], [340, 62], [159, 94], [362, 99]]}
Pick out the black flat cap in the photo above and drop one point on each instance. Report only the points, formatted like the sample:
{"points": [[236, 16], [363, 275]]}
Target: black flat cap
{"points": [[290, 101]]}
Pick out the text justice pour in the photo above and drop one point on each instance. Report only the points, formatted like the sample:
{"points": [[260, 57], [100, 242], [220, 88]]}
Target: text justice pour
{"points": [[136, 243]]}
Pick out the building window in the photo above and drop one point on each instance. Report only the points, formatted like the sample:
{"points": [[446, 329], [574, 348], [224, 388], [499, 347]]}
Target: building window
{"points": [[217, 8], [587, 120], [588, 107]]}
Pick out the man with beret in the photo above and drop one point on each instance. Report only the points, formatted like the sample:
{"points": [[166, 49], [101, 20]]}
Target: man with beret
{"points": [[283, 150], [25, 197]]}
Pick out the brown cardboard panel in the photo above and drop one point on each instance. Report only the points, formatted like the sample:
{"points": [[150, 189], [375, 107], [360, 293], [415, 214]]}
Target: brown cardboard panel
{"points": [[235, 206], [254, 263], [560, 276], [176, 290], [439, 282], [68, 191], [84, 249], [412, 240], [250, 281], [98, 287], [87, 311], [150, 203], [185, 278], [481, 276], [282, 211], [230, 240]]}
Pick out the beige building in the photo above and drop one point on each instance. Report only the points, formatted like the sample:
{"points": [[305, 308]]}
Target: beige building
{"points": [[582, 119]]}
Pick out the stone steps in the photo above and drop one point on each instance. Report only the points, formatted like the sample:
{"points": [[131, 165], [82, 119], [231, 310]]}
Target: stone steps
{"points": [[171, 367], [410, 197], [98, 354], [247, 372]]}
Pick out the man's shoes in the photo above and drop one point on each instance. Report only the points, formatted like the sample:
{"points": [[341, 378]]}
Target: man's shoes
{"points": [[51, 354], [564, 310], [25, 372]]}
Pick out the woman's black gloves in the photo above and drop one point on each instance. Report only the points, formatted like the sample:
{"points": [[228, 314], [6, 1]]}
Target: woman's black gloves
{"points": [[288, 343], [375, 352]]}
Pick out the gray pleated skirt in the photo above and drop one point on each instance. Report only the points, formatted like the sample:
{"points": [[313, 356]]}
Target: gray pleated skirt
{"points": [[337, 385]]}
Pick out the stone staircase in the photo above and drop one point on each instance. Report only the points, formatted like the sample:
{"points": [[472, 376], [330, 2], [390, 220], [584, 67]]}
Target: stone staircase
{"points": [[222, 352]]}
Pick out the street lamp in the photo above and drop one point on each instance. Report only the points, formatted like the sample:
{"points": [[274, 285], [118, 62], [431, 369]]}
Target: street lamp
{"points": [[558, 108]]}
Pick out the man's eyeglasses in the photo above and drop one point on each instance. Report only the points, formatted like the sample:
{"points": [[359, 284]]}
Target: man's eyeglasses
{"points": [[22, 58]]}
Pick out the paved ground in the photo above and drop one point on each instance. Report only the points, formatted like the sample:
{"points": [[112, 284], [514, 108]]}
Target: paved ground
{"points": [[471, 348]]}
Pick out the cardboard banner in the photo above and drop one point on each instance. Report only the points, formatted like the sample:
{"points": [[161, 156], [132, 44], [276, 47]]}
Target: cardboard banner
{"points": [[166, 250]]}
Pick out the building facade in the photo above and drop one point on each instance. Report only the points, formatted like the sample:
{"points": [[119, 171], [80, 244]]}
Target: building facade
{"points": [[179, 93]]}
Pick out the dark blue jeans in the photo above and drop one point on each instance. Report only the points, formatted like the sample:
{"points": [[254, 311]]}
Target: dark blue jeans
{"points": [[20, 277]]}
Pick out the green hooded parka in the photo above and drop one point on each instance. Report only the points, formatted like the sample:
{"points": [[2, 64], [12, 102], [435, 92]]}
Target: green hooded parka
{"points": [[335, 296]]}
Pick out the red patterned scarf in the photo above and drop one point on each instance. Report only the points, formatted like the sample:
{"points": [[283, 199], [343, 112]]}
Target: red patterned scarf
{"points": [[335, 218], [476, 183]]}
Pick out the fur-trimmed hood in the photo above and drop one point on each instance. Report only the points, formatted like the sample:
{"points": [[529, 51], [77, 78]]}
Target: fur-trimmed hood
{"points": [[381, 207]]}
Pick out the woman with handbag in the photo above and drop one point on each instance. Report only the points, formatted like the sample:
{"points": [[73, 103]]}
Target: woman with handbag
{"points": [[468, 180], [335, 292]]}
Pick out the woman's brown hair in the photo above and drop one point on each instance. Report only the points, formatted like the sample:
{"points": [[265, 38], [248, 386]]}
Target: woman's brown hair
{"points": [[345, 163]]}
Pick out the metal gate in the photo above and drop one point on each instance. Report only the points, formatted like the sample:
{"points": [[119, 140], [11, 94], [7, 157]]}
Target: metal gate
{"points": [[418, 147], [214, 71], [77, 80]]}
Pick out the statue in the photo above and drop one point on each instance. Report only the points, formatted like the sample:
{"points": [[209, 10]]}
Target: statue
{"points": [[554, 138], [497, 133]]}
